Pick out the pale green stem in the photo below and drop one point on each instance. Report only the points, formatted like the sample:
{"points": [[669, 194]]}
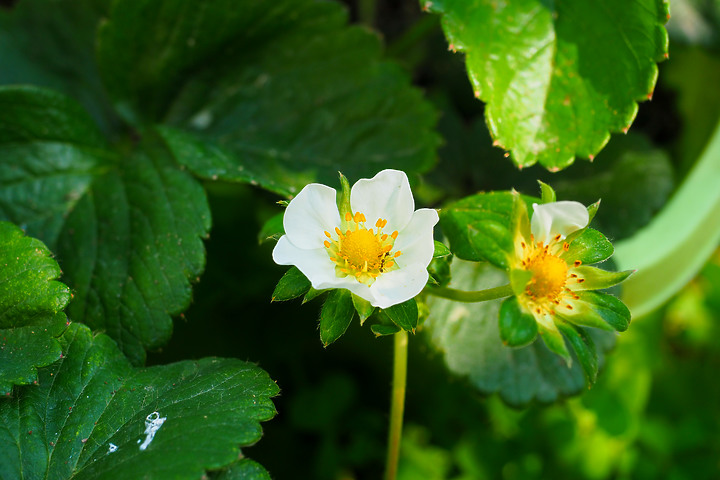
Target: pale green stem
{"points": [[469, 297], [397, 403]]}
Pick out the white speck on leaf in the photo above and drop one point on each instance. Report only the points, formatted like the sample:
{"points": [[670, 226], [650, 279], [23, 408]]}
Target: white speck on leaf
{"points": [[202, 119], [153, 422], [112, 448]]}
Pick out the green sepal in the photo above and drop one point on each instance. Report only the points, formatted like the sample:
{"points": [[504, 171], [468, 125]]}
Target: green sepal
{"points": [[441, 250], [519, 279], [312, 294], [362, 307], [597, 279], [520, 219], [547, 194], [608, 307], [381, 329], [439, 270], [592, 210], [291, 285], [589, 247], [555, 342], [517, 327], [584, 349], [335, 316], [343, 200], [404, 315], [272, 229]]}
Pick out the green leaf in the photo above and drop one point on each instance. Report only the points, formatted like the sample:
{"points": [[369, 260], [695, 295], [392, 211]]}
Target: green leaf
{"points": [[479, 227], [552, 90], [127, 228], [588, 247], [312, 294], [244, 469], [363, 308], [51, 43], [584, 349], [439, 270], [272, 229], [292, 285], [279, 93], [469, 339], [91, 413], [517, 327], [404, 315], [31, 304], [555, 342], [336, 314]]}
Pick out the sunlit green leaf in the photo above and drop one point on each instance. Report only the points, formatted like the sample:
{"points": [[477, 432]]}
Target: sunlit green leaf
{"points": [[291, 285], [557, 78]]}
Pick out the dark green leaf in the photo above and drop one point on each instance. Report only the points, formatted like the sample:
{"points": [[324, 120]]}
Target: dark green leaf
{"points": [[381, 330], [588, 247], [272, 229], [404, 315], [292, 285], [439, 270], [479, 227], [244, 469], [633, 178], [558, 77], [336, 314], [469, 337], [91, 412], [584, 349], [52, 43], [517, 327], [279, 93], [126, 228], [312, 294], [31, 304]]}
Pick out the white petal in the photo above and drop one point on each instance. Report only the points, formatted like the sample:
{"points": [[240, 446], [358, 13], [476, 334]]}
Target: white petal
{"points": [[550, 219], [398, 286], [387, 195], [312, 212], [416, 241], [316, 265]]}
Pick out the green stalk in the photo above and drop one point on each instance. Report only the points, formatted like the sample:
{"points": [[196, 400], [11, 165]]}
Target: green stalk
{"points": [[469, 297], [397, 403]]}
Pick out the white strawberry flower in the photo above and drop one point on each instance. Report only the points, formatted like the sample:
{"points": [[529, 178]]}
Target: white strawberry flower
{"points": [[379, 249]]}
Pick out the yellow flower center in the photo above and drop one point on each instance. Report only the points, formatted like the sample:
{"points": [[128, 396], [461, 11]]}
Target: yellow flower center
{"points": [[549, 274], [364, 254]]}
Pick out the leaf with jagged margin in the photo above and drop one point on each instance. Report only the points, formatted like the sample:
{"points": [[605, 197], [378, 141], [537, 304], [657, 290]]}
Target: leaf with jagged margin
{"points": [[557, 77], [31, 304], [469, 337], [277, 93], [127, 228], [94, 416]]}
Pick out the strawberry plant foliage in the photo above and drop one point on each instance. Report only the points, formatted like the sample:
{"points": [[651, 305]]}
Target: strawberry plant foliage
{"points": [[279, 93], [92, 411], [31, 302], [557, 78]]}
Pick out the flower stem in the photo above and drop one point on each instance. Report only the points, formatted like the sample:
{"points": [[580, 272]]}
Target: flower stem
{"points": [[469, 297], [397, 403]]}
